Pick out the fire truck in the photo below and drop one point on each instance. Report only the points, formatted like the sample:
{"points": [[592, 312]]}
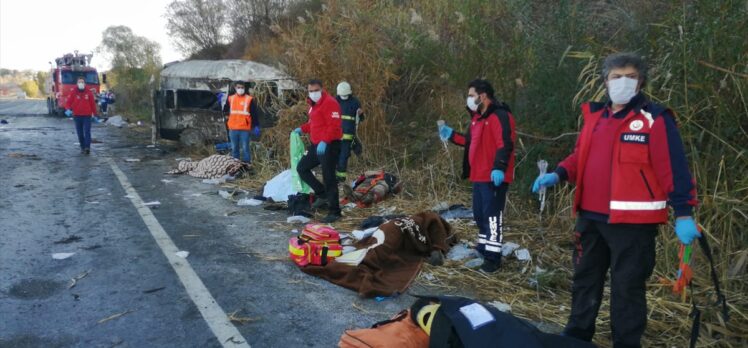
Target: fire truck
{"points": [[64, 77]]}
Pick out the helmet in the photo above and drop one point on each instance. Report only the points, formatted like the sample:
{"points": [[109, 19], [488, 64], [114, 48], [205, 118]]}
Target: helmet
{"points": [[344, 88], [425, 316]]}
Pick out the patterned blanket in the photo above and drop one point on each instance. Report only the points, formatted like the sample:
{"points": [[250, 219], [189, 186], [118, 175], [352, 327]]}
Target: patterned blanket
{"points": [[212, 167]]}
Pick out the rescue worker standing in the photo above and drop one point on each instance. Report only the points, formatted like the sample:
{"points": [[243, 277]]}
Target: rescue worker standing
{"points": [[81, 105], [628, 165], [243, 121], [488, 163], [325, 131], [352, 115]]}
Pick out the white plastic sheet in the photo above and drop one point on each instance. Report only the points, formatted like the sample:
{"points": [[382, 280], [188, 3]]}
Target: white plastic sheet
{"points": [[279, 187]]}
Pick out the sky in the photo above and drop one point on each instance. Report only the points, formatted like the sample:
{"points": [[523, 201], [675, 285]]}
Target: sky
{"points": [[35, 32]]}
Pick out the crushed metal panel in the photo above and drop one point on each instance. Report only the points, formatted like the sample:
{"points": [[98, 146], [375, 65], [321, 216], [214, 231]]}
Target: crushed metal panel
{"points": [[203, 117]]}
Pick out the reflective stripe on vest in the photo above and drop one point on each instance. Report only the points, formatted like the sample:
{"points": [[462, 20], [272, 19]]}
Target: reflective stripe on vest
{"points": [[624, 205], [348, 118], [347, 136], [240, 118], [237, 108]]}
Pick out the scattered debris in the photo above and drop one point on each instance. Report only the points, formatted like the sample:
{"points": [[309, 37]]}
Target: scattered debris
{"points": [[62, 256], [129, 196], [457, 212], [70, 239], [91, 247], [115, 316], [359, 235], [440, 206], [462, 252], [152, 204], [150, 291], [214, 181], [428, 276], [19, 185], [96, 141], [116, 121], [23, 155], [522, 255], [474, 263], [249, 202], [74, 280], [297, 219], [150, 146], [92, 202], [235, 318], [226, 194], [508, 248], [183, 254], [504, 307], [132, 160], [3, 121], [295, 231], [167, 181]]}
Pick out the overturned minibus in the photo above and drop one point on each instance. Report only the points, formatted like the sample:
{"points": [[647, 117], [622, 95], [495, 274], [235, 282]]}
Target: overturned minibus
{"points": [[187, 105]]}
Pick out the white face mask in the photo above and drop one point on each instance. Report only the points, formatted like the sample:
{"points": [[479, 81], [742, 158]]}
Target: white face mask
{"points": [[240, 91], [315, 96], [622, 89], [472, 104], [81, 85], [344, 97]]}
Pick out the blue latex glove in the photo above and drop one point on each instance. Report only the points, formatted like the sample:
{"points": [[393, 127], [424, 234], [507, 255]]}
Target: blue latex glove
{"points": [[321, 147], [545, 180], [256, 131], [497, 176], [686, 230], [445, 132], [69, 113], [297, 131]]}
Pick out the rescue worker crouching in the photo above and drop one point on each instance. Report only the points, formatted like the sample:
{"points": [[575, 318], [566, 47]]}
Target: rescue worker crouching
{"points": [[243, 121], [488, 163], [628, 164], [325, 133], [352, 115]]}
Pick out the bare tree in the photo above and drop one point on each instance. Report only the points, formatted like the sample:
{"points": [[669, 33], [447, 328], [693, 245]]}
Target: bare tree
{"points": [[127, 50], [197, 25], [254, 17]]}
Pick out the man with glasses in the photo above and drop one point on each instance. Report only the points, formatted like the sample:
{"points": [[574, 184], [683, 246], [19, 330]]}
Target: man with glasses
{"points": [[325, 131]]}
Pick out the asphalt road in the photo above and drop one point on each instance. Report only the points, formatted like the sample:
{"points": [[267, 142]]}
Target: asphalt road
{"points": [[130, 292]]}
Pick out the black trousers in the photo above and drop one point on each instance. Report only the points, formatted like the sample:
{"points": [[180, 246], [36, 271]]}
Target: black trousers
{"points": [[488, 212], [628, 250], [328, 161], [345, 153]]}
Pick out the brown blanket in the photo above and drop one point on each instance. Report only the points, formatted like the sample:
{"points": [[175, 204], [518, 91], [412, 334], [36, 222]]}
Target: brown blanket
{"points": [[390, 268]]}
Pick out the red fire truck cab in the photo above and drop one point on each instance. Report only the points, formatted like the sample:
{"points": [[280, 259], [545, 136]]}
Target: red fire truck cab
{"points": [[64, 77]]}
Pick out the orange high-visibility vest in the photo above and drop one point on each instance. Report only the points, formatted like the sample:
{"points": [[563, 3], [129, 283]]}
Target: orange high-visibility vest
{"points": [[240, 117]]}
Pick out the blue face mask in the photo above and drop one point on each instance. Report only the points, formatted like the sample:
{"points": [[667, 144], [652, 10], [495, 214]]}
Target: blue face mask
{"points": [[622, 90]]}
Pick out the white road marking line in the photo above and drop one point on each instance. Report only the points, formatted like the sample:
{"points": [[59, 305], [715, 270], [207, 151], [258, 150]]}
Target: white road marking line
{"points": [[217, 320]]}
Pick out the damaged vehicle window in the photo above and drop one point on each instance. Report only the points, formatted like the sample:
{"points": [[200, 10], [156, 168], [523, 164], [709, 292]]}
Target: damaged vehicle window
{"points": [[189, 99]]}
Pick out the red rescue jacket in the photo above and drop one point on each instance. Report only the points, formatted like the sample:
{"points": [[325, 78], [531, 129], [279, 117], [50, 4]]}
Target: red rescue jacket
{"points": [[324, 122], [489, 144], [649, 168], [82, 103]]}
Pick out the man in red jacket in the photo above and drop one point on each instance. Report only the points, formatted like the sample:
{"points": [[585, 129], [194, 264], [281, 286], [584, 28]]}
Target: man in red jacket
{"points": [[325, 131], [628, 165], [82, 106], [488, 163]]}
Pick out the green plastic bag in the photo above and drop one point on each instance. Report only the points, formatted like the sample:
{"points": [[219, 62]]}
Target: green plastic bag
{"points": [[297, 151]]}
